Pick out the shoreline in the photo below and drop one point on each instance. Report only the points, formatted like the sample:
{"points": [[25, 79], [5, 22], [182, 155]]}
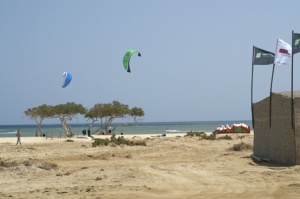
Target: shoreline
{"points": [[80, 138]]}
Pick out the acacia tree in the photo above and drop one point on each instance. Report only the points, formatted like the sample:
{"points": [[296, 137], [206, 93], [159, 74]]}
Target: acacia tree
{"points": [[137, 114], [66, 112], [39, 114], [95, 114], [108, 112]]}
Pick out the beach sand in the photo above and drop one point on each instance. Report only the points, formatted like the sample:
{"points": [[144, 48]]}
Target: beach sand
{"points": [[167, 167]]}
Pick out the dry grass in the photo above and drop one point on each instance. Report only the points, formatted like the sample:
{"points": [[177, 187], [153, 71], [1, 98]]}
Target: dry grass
{"points": [[28, 163], [241, 147]]}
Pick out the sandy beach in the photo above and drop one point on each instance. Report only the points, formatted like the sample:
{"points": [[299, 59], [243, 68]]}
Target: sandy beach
{"points": [[174, 166]]}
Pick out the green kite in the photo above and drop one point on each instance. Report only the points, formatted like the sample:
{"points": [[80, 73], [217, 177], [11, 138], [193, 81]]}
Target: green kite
{"points": [[126, 59]]}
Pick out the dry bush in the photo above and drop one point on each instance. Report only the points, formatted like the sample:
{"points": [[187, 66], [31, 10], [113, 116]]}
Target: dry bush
{"points": [[46, 165], [8, 164], [192, 134], [225, 137], [208, 137], [140, 143], [241, 147], [27, 163], [202, 135]]}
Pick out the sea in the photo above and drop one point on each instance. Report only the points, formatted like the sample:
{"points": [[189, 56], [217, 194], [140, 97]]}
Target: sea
{"points": [[153, 128]]}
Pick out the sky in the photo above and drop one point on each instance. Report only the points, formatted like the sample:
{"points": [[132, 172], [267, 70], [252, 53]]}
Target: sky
{"points": [[196, 61]]}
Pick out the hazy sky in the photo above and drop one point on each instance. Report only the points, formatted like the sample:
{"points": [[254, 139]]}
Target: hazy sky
{"points": [[195, 65]]}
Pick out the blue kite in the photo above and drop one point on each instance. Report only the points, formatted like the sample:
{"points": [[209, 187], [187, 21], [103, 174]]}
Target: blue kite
{"points": [[67, 79]]}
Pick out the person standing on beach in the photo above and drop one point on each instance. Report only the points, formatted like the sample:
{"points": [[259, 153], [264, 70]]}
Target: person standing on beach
{"points": [[18, 137]]}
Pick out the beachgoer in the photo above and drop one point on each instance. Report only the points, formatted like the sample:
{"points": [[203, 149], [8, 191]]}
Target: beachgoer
{"points": [[109, 130], [18, 137]]}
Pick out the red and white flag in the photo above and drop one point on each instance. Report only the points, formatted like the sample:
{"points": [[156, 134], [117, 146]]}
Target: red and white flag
{"points": [[283, 53]]}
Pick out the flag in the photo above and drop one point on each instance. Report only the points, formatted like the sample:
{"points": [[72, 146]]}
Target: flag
{"points": [[283, 53], [296, 43], [262, 57]]}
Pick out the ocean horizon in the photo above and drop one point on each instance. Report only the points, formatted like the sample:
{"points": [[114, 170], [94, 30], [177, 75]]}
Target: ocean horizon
{"points": [[28, 130]]}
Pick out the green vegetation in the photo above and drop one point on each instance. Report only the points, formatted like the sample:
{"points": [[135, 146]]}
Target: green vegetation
{"points": [[192, 134], [202, 135], [65, 112], [208, 137], [69, 140], [113, 141], [236, 147], [39, 114], [110, 111], [106, 112]]}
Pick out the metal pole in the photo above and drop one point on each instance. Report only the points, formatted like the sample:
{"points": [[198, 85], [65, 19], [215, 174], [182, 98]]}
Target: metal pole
{"points": [[252, 89], [292, 83], [270, 108]]}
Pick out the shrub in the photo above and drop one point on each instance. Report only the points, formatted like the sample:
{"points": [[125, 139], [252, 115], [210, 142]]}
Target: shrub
{"points": [[225, 137], [100, 142], [192, 134], [121, 140], [8, 164], [202, 135], [208, 137], [47, 165], [69, 140], [241, 137], [241, 146], [27, 163], [140, 143], [117, 141]]}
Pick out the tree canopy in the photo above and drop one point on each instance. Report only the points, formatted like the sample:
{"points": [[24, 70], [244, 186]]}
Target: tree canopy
{"points": [[111, 111], [66, 112], [101, 111], [39, 114], [137, 114]]}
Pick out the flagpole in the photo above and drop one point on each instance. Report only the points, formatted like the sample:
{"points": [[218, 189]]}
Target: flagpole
{"points": [[270, 106], [252, 90], [292, 91], [292, 83]]}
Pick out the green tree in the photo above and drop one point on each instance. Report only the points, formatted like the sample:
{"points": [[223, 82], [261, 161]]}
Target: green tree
{"points": [[39, 114], [137, 114], [66, 112], [107, 112], [110, 111]]}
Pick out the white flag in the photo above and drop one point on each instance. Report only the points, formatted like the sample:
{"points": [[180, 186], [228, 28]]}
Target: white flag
{"points": [[283, 53]]}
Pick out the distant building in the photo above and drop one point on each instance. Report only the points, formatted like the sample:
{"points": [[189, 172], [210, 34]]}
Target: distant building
{"points": [[278, 142]]}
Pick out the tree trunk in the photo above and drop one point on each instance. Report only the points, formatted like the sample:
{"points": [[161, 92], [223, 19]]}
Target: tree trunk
{"points": [[39, 127], [36, 130], [64, 126]]}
